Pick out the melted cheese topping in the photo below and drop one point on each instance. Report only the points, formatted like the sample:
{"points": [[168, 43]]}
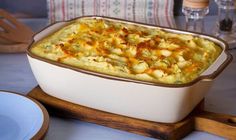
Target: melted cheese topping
{"points": [[129, 51]]}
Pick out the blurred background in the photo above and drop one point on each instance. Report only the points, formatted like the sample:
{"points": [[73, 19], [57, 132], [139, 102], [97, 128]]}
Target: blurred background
{"points": [[38, 8], [25, 8]]}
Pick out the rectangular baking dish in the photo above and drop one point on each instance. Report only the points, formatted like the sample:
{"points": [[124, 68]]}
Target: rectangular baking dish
{"points": [[158, 102]]}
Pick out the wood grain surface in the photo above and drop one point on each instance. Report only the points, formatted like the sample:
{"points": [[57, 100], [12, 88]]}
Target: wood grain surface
{"points": [[15, 36], [219, 124]]}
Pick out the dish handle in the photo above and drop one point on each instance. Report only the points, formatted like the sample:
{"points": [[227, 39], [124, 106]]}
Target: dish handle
{"points": [[217, 67]]}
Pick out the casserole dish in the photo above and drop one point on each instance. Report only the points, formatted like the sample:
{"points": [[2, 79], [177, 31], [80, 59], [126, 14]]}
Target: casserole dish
{"points": [[153, 101]]}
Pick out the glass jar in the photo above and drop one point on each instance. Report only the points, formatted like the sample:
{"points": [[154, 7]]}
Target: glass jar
{"points": [[225, 25], [195, 11]]}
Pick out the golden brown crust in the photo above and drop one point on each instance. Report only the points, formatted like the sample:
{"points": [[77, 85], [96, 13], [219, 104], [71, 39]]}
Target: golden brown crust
{"points": [[131, 51]]}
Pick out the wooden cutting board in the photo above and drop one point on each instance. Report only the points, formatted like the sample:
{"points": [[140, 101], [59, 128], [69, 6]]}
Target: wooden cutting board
{"points": [[218, 124], [15, 36]]}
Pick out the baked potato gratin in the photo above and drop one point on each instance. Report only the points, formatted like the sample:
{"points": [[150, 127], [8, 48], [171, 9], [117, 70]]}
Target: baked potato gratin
{"points": [[129, 51]]}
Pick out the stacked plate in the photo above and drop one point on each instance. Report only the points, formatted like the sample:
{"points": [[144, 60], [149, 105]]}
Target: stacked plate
{"points": [[21, 117]]}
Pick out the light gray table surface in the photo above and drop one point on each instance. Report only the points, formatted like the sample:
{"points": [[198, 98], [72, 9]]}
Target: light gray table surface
{"points": [[16, 75]]}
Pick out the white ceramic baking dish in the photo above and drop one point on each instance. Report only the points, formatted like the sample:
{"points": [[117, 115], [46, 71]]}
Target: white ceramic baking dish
{"points": [[138, 99]]}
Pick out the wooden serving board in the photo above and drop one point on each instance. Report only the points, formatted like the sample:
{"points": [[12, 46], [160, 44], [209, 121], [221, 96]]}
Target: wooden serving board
{"points": [[218, 124]]}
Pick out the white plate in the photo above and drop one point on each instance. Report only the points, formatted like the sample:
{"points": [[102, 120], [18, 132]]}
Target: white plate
{"points": [[21, 118]]}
